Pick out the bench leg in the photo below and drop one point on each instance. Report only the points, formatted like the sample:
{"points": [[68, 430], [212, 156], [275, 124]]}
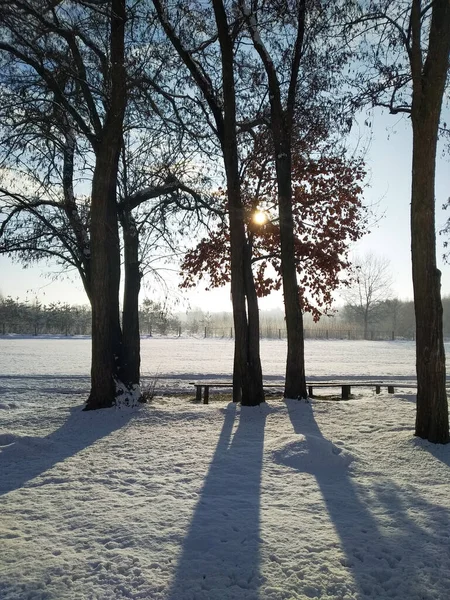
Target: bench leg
{"points": [[206, 394], [346, 392], [310, 391], [391, 389], [198, 393], [378, 389]]}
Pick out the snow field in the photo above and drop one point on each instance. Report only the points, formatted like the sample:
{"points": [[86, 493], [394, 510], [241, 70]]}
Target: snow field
{"points": [[178, 501]]}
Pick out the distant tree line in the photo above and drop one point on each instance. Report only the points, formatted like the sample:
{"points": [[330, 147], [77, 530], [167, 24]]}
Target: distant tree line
{"points": [[35, 318], [392, 319]]}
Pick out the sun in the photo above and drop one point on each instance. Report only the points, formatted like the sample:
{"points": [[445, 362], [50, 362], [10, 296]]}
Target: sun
{"points": [[260, 217]]}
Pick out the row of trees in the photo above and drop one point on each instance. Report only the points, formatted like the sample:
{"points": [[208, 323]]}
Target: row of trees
{"points": [[35, 318], [390, 318], [143, 100]]}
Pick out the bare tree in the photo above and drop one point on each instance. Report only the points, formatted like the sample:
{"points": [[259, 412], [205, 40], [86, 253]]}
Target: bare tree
{"points": [[371, 288], [212, 42]]}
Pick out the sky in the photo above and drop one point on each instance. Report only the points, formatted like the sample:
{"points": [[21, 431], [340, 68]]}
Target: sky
{"points": [[387, 148]]}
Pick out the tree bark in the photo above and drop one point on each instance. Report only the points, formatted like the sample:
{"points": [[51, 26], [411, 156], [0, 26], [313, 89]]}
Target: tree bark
{"points": [[132, 286], [246, 324], [295, 383], [432, 409], [107, 348], [429, 79], [281, 125]]}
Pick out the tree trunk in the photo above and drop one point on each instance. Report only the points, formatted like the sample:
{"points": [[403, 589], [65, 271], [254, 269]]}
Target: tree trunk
{"points": [[428, 88], [130, 318], [247, 381], [107, 348], [295, 384], [72, 213], [432, 410], [246, 347], [281, 126], [254, 385]]}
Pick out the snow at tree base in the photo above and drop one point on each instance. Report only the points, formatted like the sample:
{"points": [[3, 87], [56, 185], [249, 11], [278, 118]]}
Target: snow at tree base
{"points": [[182, 501]]}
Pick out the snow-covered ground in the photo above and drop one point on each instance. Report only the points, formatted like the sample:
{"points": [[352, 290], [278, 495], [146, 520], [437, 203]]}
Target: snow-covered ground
{"points": [[179, 501], [45, 365]]}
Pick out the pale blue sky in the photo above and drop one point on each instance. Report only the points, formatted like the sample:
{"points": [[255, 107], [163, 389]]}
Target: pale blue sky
{"points": [[389, 161]]}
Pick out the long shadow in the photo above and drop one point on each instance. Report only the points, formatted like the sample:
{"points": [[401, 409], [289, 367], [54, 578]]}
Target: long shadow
{"points": [[221, 549], [23, 458], [388, 554]]}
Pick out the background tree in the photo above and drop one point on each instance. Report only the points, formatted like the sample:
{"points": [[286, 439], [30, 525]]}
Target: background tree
{"points": [[371, 288], [158, 318]]}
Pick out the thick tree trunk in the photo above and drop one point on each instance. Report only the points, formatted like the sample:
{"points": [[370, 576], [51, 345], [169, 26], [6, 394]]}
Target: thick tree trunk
{"points": [[429, 79], [295, 384], [432, 409], [107, 348], [130, 318]]}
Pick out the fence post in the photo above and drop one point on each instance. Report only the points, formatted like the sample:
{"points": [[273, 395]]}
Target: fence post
{"points": [[327, 333], [231, 333], [393, 336], [205, 331], [279, 334]]}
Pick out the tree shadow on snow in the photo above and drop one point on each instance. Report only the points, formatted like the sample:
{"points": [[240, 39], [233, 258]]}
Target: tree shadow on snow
{"points": [[24, 458], [393, 552], [220, 554]]}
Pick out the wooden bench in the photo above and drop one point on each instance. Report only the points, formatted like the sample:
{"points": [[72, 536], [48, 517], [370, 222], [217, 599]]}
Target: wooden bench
{"points": [[202, 387], [346, 388]]}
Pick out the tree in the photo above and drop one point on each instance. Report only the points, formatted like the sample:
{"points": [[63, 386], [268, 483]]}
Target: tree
{"points": [[158, 317], [281, 123], [406, 50], [328, 215], [371, 289], [295, 51], [54, 48], [89, 103], [219, 104]]}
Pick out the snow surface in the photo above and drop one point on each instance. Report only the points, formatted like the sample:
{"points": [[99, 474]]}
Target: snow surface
{"points": [[182, 501]]}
